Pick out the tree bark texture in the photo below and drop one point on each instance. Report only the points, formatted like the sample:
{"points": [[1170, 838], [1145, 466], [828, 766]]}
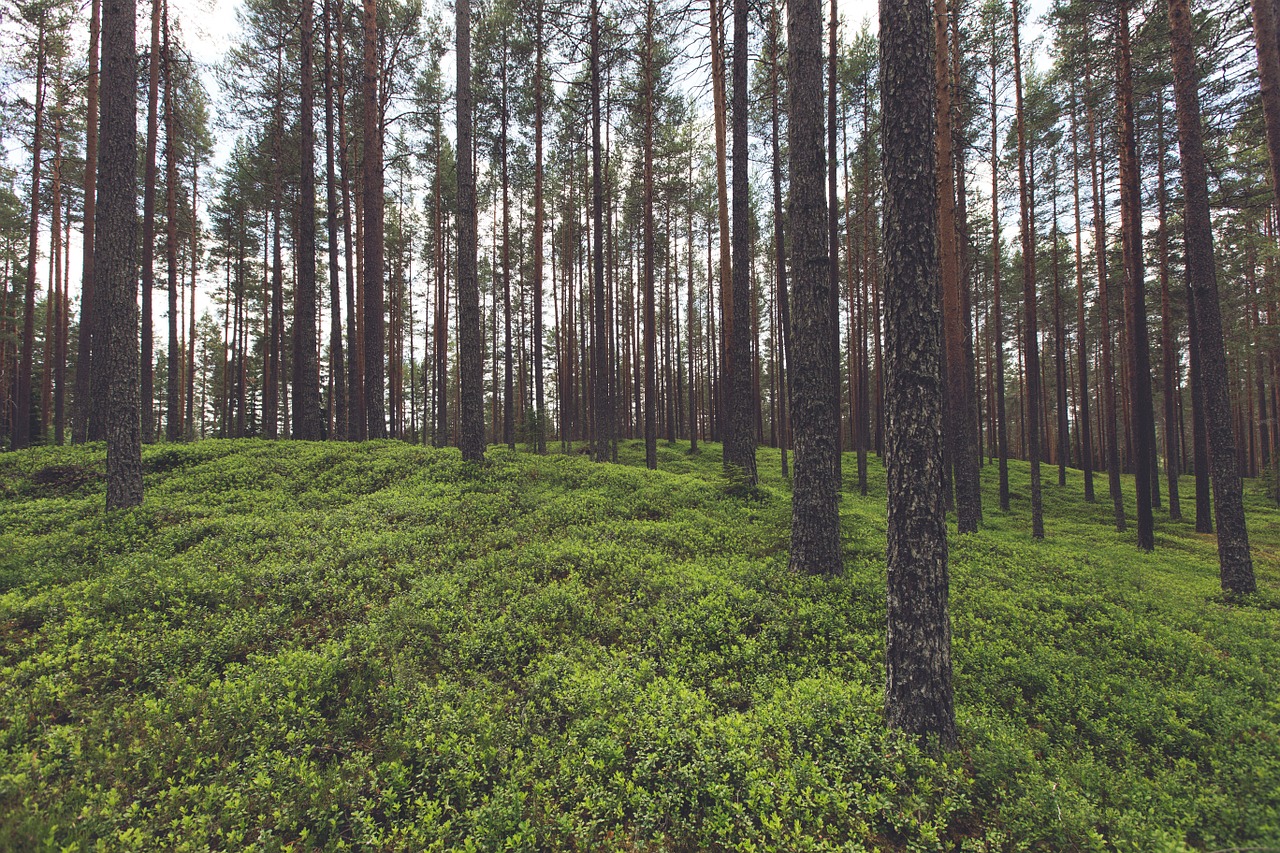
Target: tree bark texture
{"points": [[918, 695], [1235, 562]]}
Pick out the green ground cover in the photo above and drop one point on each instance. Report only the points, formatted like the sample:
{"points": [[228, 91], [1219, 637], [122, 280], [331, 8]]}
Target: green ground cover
{"points": [[375, 646]]}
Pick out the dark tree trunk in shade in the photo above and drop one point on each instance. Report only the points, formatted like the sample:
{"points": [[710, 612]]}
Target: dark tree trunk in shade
{"points": [[1236, 564], [815, 523], [1135, 309], [374, 309], [740, 439], [115, 250], [918, 695], [471, 355], [1030, 345], [87, 422]]}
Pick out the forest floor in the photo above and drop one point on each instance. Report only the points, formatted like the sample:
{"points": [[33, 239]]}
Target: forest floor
{"points": [[376, 646]]}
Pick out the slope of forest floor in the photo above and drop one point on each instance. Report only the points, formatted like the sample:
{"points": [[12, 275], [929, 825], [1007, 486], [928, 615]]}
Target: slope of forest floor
{"points": [[377, 646]]}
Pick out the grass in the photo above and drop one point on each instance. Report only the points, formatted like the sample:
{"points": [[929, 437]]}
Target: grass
{"points": [[376, 646]]}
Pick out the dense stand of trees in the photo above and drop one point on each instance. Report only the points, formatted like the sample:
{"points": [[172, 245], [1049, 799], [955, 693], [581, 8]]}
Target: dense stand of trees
{"points": [[663, 221]]}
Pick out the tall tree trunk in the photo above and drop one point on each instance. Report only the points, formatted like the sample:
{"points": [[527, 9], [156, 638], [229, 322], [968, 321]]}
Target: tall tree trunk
{"points": [[1168, 352], [740, 444], [722, 198], [337, 365], [306, 365], [1135, 300], [1236, 564], [149, 227], [539, 404], [833, 235], [1002, 427], [508, 404], [88, 423], [471, 362], [918, 694], [1098, 179], [374, 310], [190, 419], [173, 381], [115, 258], [959, 430], [602, 393], [815, 523], [1082, 349], [1059, 344], [779, 232], [26, 364], [1030, 345]]}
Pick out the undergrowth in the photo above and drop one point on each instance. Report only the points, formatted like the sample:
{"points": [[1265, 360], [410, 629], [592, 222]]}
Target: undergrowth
{"points": [[377, 646]]}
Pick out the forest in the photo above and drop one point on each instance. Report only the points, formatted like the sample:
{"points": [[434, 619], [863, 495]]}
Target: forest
{"points": [[640, 425]]}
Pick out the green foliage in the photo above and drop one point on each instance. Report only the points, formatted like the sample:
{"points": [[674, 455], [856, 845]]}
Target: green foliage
{"points": [[377, 646]]}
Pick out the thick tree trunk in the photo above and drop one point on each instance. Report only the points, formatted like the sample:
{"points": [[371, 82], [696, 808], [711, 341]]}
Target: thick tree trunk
{"points": [[918, 695], [306, 365], [471, 361], [1236, 564], [374, 309], [739, 443], [1135, 300], [815, 523], [115, 258]]}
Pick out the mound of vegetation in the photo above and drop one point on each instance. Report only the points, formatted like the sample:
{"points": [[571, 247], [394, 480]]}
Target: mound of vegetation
{"points": [[377, 646]]}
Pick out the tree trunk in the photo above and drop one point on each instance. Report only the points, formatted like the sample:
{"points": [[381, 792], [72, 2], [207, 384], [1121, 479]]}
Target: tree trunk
{"points": [[337, 365], [1030, 344], [1236, 564], [115, 258], [815, 523], [149, 227], [1135, 299], [1002, 427], [471, 435], [173, 381], [306, 366], [374, 310], [26, 364], [959, 430], [539, 404], [1082, 350], [722, 199], [918, 694], [740, 444], [1168, 352], [88, 424]]}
